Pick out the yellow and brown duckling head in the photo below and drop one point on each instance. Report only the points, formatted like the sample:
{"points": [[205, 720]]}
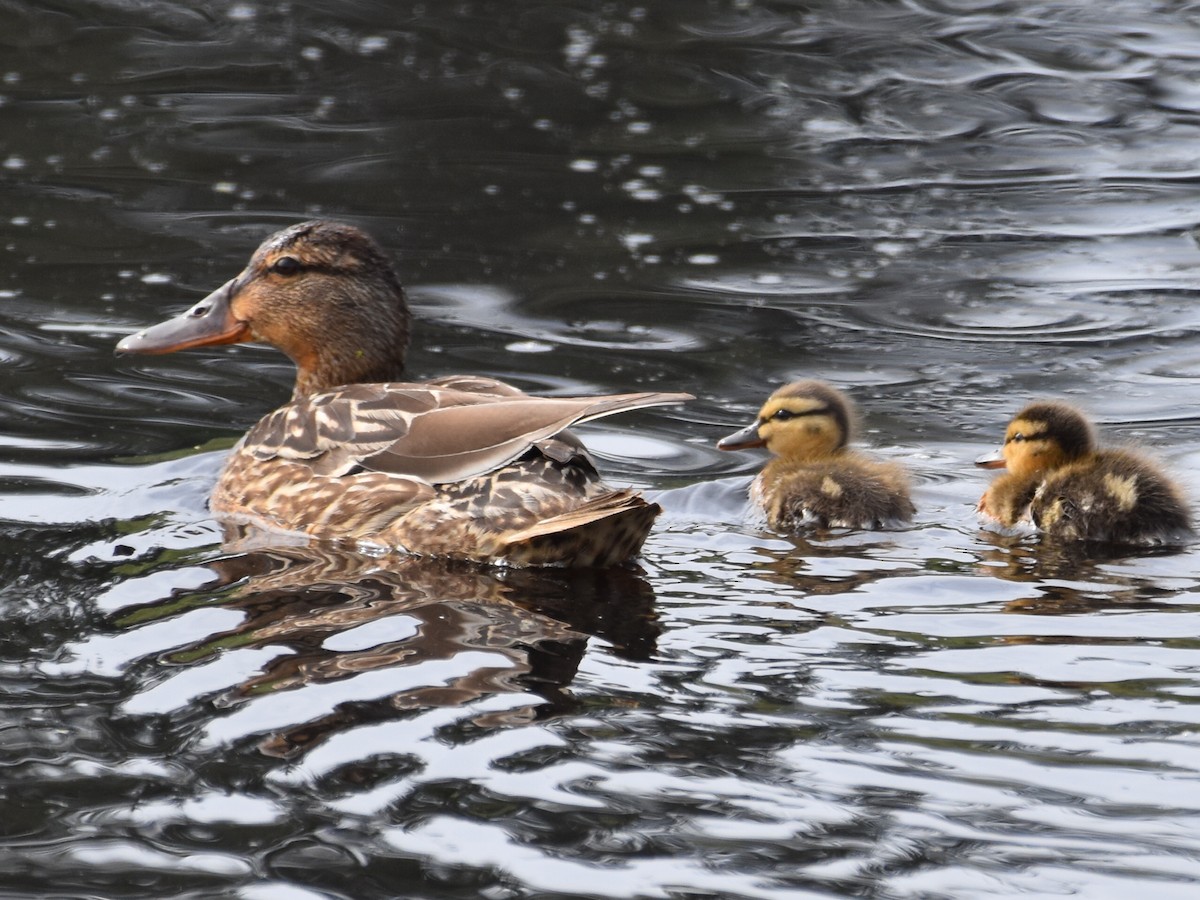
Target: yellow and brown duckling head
{"points": [[1042, 437], [804, 421], [322, 292]]}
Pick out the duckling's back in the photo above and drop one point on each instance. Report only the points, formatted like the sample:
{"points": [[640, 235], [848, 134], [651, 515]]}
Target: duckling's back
{"points": [[1113, 496], [849, 491]]}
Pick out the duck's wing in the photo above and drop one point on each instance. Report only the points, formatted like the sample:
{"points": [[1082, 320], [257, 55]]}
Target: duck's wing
{"points": [[433, 434], [475, 384]]}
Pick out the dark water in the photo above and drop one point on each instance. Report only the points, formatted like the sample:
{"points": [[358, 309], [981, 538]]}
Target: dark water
{"points": [[945, 207]]}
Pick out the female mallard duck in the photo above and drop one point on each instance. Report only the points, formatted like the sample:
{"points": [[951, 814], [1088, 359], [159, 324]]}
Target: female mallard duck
{"points": [[1071, 491], [815, 478], [463, 466]]}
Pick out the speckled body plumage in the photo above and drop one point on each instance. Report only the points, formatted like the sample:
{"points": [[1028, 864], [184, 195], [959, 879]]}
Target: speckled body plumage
{"points": [[536, 509]]}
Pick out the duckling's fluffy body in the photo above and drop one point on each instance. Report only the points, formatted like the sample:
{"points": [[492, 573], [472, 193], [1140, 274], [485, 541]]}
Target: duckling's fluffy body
{"points": [[851, 491], [463, 466], [815, 479], [1070, 490]]}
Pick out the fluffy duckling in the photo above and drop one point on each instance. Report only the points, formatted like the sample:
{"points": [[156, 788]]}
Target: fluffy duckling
{"points": [[1070, 490], [815, 479]]}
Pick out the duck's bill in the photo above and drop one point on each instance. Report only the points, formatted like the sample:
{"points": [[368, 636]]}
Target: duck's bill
{"points": [[209, 322], [993, 460], [742, 440]]}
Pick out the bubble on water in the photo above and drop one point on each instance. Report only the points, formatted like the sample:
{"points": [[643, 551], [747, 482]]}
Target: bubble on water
{"points": [[639, 190], [579, 45], [529, 347], [373, 44], [634, 240]]}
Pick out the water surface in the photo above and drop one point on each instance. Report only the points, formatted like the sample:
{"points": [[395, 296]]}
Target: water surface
{"points": [[945, 208]]}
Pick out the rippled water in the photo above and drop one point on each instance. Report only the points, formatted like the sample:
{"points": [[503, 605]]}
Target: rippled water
{"points": [[945, 207]]}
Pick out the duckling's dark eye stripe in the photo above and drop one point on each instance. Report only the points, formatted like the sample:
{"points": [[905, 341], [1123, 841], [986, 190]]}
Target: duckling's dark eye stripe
{"points": [[784, 414]]}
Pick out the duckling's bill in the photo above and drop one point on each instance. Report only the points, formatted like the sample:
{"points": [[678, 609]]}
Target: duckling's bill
{"points": [[993, 460], [745, 439], [208, 323]]}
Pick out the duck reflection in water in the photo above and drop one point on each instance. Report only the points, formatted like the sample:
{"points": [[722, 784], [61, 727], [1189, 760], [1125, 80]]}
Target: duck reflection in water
{"points": [[322, 609], [1073, 577]]}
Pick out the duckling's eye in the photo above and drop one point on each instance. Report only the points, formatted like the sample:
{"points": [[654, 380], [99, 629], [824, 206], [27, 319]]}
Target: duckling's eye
{"points": [[782, 415], [286, 265], [1017, 438]]}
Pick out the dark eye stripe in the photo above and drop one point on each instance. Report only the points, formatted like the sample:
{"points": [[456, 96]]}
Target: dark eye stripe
{"points": [[783, 415], [309, 267]]}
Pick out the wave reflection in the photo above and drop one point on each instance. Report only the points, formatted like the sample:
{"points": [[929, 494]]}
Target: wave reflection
{"points": [[327, 642]]}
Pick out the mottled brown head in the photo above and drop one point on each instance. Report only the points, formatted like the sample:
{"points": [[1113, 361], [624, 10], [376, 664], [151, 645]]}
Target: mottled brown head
{"points": [[1043, 436], [322, 292], [805, 420]]}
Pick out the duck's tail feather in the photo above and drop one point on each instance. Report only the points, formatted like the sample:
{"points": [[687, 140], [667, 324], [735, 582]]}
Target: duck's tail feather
{"points": [[605, 531]]}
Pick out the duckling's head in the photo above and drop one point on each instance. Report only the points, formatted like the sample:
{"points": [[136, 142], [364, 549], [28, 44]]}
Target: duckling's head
{"points": [[322, 292], [1042, 436], [805, 420]]}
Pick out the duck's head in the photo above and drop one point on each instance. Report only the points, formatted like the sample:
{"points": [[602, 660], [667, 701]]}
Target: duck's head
{"points": [[322, 292], [1041, 437], [805, 420]]}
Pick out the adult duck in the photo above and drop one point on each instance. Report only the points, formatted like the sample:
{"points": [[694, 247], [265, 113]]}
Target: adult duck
{"points": [[463, 466]]}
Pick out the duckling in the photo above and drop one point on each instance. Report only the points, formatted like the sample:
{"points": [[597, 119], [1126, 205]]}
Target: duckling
{"points": [[463, 466], [1072, 491], [815, 479]]}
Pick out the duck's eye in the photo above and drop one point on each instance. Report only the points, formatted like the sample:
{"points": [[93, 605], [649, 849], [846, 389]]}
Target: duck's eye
{"points": [[782, 415], [286, 265], [1017, 438]]}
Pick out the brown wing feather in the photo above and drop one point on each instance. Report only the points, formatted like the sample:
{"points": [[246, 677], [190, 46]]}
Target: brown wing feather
{"points": [[450, 444], [437, 435], [475, 384]]}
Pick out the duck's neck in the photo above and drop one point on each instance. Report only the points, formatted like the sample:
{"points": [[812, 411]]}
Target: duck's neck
{"points": [[341, 369], [812, 456], [368, 354]]}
